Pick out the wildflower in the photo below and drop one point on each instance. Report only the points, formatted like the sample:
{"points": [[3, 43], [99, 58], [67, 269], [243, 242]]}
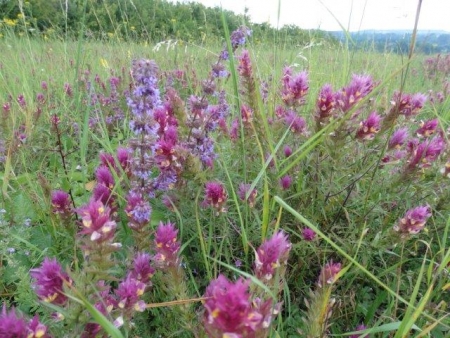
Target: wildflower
{"points": [[360, 86], [422, 155], [229, 311], [295, 87], [328, 274], [408, 104], [238, 38], [413, 221], [68, 89], [11, 325], [167, 246], [215, 196], [245, 64], [138, 211], [398, 138], [296, 124], [285, 182], [61, 203], [369, 127], [36, 329], [308, 234], [21, 101], [360, 327], [287, 151], [142, 270], [49, 281], [245, 194], [427, 128], [128, 293], [272, 254], [96, 222], [246, 114], [219, 71], [326, 103]]}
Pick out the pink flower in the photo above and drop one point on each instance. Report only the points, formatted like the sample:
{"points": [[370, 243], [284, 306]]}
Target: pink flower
{"points": [[359, 87], [295, 87], [96, 222], [142, 270], [272, 254], [427, 128], [11, 325], [49, 282], [413, 221], [167, 246], [328, 274], [296, 124], [229, 311], [308, 234], [215, 196], [398, 138], [128, 294], [245, 194], [326, 103], [408, 104], [61, 202], [245, 64], [286, 182], [287, 151], [369, 127], [359, 328]]}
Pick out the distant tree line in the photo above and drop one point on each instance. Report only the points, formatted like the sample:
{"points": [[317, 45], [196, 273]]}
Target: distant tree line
{"points": [[153, 20]]}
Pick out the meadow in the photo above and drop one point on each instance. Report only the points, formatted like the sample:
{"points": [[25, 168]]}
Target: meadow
{"points": [[236, 189]]}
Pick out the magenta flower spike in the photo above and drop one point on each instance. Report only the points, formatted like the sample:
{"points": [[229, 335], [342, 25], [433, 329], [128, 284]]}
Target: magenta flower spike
{"points": [[295, 87], [272, 254], [296, 123], [308, 234], [11, 325], [427, 128], [142, 270], [328, 274], [36, 329], [408, 104], [244, 190], [285, 182], [360, 327], [49, 281], [128, 295], [359, 87], [245, 64], [215, 196], [398, 138], [61, 202], [229, 311], [413, 221], [369, 127], [326, 104], [166, 245], [96, 222]]}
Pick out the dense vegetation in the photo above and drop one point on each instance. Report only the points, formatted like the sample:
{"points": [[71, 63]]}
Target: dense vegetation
{"points": [[221, 190], [151, 20]]}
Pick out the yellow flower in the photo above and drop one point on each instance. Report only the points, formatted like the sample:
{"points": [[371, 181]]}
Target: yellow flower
{"points": [[110, 34], [133, 28], [10, 22], [19, 16], [104, 63]]}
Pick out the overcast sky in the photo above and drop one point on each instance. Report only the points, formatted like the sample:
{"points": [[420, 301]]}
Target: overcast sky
{"points": [[353, 14]]}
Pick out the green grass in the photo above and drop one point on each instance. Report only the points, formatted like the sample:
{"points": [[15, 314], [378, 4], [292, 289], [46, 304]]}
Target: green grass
{"points": [[396, 287]]}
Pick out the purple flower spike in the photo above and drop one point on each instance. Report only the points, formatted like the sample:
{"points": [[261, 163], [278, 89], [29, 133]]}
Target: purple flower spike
{"points": [[49, 281], [369, 127], [359, 328], [229, 311], [36, 329], [96, 221], [359, 87], [244, 190], [215, 196], [328, 274], [413, 221], [128, 294], [326, 103], [239, 37], [11, 325], [398, 138], [295, 87], [142, 270], [272, 254], [167, 246], [245, 64], [296, 123], [427, 128], [61, 202], [286, 182], [287, 151], [407, 104], [308, 234]]}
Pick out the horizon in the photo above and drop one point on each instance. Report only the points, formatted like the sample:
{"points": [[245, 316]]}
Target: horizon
{"points": [[353, 15]]}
